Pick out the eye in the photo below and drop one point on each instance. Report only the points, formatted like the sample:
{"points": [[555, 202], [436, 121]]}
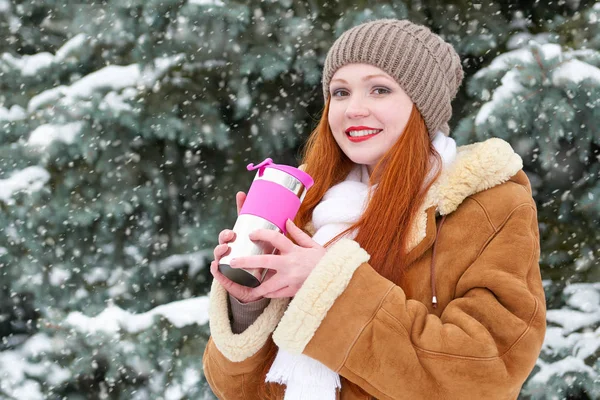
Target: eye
{"points": [[339, 93], [381, 90]]}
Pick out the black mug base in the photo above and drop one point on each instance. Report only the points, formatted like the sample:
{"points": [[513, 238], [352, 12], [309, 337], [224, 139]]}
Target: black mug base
{"points": [[239, 276]]}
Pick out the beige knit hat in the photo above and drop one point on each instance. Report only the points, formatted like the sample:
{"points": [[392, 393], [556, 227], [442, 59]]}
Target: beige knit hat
{"points": [[424, 65]]}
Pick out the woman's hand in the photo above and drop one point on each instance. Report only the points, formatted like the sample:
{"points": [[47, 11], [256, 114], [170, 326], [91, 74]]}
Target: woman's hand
{"points": [[242, 293], [290, 267]]}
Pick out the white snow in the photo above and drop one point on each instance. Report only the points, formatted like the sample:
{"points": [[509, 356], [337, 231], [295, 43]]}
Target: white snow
{"points": [[37, 344], [587, 344], [159, 67], [16, 370], [4, 6], [583, 296], [584, 302], [15, 113], [46, 97], [174, 392], [14, 23], [45, 134], [114, 319], [560, 368], [522, 56], [71, 46], [580, 345], [569, 70], [521, 39], [96, 275], [29, 65], [217, 3], [592, 15], [508, 89], [115, 102], [555, 341], [58, 276], [195, 262], [177, 390], [572, 320], [574, 335], [115, 77], [575, 71], [28, 179], [119, 81]]}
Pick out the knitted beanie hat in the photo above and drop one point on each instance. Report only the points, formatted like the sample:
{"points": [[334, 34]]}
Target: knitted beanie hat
{"points": [[426, 67]]}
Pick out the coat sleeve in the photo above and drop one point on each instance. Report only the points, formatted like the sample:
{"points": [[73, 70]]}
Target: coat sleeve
{"points": [[483, 345], [233, 363]]}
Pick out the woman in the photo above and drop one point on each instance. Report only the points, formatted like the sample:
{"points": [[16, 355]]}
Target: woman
{"points": [[417, 276]]}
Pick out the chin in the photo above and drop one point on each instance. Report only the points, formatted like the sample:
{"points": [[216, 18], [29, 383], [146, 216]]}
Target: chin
{"points": [[361, 159]]}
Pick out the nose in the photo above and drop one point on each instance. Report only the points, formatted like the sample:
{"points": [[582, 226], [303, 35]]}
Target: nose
{"points": [[356, 108]]}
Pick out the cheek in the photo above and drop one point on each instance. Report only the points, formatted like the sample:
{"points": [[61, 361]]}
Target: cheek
{"points": [[334, 119], [398, 118]]}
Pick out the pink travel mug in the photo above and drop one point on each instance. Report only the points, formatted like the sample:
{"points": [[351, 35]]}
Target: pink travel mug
{"points": [[274, 196]]}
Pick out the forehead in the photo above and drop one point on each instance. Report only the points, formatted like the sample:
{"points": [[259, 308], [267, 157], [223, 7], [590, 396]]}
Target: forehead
{"points": [[358, 72]]}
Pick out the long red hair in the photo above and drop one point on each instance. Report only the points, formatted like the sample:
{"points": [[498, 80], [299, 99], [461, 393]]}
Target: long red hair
{"points": [[383, 229]]}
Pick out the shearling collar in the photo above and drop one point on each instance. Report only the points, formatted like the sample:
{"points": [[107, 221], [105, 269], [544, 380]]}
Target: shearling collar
{"points": [[477, 167]]}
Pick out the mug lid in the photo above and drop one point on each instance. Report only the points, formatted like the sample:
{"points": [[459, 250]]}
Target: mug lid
{"points": [[302, 176]]}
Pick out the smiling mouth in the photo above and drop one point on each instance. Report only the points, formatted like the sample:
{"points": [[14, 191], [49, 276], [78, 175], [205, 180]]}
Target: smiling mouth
{"points": [[356, 136], [363, 132]]}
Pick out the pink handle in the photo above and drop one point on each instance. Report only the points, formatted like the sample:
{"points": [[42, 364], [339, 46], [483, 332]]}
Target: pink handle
{"points": [[261, 166], [272, 202]]}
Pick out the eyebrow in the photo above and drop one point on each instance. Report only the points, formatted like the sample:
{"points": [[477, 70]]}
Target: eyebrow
{"points": [[366, 78]]}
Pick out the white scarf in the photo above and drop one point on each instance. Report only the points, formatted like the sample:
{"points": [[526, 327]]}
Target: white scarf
{"points": [[342, 205]]}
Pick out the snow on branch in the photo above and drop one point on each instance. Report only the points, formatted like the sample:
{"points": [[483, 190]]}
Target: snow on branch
{"points": [[45, 134], [114, 320], [30, 179]]}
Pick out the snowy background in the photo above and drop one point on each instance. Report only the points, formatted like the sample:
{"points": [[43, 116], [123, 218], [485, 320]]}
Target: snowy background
{"points": [[125, 128]]}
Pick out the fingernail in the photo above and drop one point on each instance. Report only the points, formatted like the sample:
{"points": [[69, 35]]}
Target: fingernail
{"points": [[232, 262]]}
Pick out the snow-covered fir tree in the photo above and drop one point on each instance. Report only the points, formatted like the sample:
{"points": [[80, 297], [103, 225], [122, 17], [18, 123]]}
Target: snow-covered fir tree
{"points": [[543, 96]]}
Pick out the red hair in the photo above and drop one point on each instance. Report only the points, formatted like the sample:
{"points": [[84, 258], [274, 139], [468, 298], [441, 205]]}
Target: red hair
{"points": [[383, 229]]}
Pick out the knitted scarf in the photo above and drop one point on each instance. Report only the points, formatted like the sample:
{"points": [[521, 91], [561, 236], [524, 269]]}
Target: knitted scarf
{"points": [[342, 205]]}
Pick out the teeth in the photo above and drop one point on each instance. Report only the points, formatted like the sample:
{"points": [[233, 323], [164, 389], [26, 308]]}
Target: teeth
{"points": [[364, 132]]}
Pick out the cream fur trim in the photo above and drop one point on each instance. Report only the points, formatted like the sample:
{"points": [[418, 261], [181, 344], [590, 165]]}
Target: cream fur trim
{"points": [[238, 347], [318, 293], [477, 167], [419, 229]]}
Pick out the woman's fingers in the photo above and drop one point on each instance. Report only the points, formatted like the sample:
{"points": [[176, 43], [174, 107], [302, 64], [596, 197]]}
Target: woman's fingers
{"points": [[269, 261], [269, 274], [273, 285], [240, 198], [242, 293], [226, 236], [276, 239], [220, 251], [299, 235], [222, 279]]}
